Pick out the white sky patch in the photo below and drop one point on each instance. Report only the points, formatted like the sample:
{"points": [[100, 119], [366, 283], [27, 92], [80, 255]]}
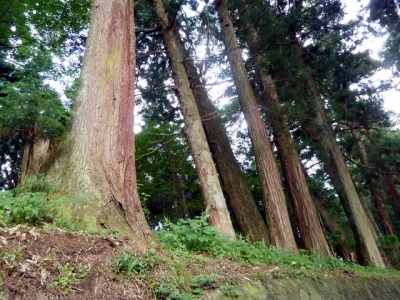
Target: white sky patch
{"points": [[374, 45]]}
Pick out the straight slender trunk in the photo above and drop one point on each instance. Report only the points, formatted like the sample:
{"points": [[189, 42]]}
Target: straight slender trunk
{"points": [[95, 162], [311, 231], [322, 131], [306, 214], [183, 196], [234, 184], [375, 230], [281, 233], [209, 181], [392, 192], [329, 168], [376, 194]]}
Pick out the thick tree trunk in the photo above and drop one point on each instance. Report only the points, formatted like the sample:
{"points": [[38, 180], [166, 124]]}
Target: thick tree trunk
{"points": [[96, 160], [281, 233], [321, 129], [392, 192], [376, 194], [234, 184], [209, 181]]}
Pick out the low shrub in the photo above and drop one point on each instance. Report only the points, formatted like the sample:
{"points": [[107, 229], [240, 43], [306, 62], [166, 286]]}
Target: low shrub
{"points": [[24, 208]]}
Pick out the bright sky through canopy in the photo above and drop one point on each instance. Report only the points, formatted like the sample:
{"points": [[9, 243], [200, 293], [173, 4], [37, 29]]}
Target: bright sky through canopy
{"points": [[374, 44]]}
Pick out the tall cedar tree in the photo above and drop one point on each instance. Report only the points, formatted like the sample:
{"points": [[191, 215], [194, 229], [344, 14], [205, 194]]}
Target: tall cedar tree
{"points": [[96, 159], [392, 192], [311, 231], [234, 184], [318, 127], [209, 181], [281, 233], [367, 248], [374, 187]]}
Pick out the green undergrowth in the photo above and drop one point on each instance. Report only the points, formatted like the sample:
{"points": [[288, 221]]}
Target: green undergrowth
{"points": [[193, 254], [29, 204], [192, 243], [195, 235]]}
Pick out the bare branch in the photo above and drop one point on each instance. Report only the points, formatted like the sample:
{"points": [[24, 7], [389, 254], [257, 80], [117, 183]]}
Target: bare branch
{"points": [[150, 53], [148, 30]]}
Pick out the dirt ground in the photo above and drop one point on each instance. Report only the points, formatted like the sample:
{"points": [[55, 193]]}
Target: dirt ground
{"points": [[33, 260], [43, 264], [55, 264]]}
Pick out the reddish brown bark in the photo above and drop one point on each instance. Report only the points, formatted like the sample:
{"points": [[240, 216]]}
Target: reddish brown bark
{"points": [[35, 157], [376, 194], [281, 233], [341, 245], [95, 162], [234, 184], [311, 231], [393, 192], [319, 127], [209, 181]]}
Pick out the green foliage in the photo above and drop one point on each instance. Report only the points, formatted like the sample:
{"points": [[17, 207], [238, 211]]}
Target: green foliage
{"points": [[391, 246], [69, 275], [389, 242], [166, 177], [206, 281], [8, 257], [129, 264], [29, 111], [36, 184], [171, 291], [25, 208], [191, 234], [29, 106], [30, 40], [230, 291], [28, 203], [181, 246], [387, 15], [195, 235], [263, 277], [171, 286]]}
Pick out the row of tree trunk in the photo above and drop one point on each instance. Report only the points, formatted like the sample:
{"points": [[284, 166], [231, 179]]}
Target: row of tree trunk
{"points": [[277, 217], [96, 160]]}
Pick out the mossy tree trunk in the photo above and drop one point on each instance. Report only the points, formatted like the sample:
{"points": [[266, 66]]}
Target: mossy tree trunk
{"points": [[209, 182], [281, 233], [96, 160]]}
